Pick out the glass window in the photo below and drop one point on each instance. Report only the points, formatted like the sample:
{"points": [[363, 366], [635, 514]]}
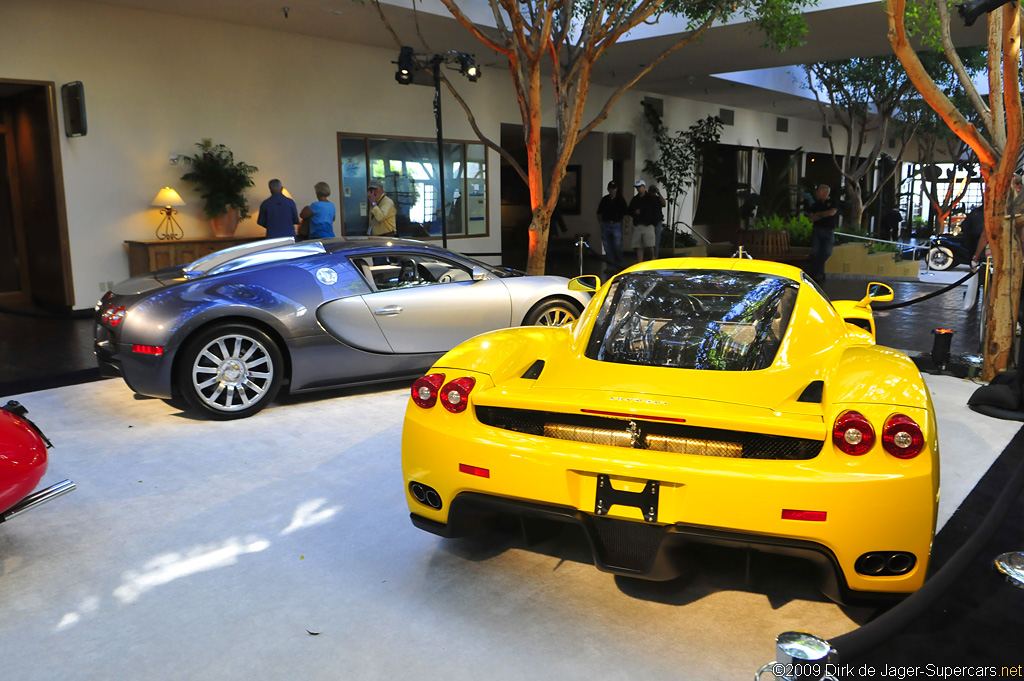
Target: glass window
{"points": [[352, 157], [408, 168], [700, 319], [406, 270]]}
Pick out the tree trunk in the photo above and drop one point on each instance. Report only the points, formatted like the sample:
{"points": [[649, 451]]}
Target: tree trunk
{"points": [[856, 214], [539, 229], [1004, 293]]}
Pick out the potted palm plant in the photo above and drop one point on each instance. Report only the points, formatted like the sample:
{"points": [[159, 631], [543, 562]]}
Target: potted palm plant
{"points": [[221, 182]]}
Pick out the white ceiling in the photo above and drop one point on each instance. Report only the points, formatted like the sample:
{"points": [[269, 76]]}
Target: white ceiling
{"points": [[836, 33]]}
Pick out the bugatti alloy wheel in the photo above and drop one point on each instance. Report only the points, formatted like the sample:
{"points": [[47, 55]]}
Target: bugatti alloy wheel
{"points": [[230, 371], [552, 313]]}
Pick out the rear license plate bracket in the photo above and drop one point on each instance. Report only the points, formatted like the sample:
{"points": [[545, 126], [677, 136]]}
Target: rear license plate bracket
{"points": [[645, 500]]}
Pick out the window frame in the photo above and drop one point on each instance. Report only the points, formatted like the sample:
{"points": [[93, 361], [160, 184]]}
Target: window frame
{"points": [[359, 190]]}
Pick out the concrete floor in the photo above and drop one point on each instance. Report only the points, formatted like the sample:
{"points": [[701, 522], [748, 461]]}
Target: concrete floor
{"points": [[206, 550]]}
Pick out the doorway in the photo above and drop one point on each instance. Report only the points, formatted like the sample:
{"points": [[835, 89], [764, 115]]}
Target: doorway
{"points": [[35, 257]]}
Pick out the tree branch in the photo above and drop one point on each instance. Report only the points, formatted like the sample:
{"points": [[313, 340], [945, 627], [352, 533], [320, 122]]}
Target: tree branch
{"points": [[966, 82], [929, 90], [471, 27], [995, 80], [603, 113]]}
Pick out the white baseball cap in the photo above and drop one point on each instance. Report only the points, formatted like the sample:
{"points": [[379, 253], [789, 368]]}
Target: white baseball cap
{"points": [[640, 183]]}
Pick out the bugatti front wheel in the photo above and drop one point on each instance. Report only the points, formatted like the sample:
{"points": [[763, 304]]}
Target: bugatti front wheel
{"points": [[230, 371], [552, 312]]}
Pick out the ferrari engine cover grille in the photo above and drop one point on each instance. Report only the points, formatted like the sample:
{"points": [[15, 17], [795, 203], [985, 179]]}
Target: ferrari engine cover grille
{"points": [[640, 434], [624, 544]]}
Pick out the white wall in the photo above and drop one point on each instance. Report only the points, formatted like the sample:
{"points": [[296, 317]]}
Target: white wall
{"points": [[155, 84]]}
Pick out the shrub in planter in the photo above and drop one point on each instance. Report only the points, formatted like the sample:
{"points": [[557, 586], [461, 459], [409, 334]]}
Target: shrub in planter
{"points": [[220, 180]]}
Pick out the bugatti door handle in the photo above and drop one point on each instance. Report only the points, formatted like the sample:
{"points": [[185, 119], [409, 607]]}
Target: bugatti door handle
{"points": [[389, 311]]}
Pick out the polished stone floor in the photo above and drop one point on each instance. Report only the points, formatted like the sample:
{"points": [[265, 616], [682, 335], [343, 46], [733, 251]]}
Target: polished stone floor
{"points": [[264, 550]]}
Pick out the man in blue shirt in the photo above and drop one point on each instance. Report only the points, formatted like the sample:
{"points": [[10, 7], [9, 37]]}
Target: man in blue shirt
{"points": [[278, 214]]}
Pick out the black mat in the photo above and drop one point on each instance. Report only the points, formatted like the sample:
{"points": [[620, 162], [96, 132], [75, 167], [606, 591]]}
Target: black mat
{"points": [[28, 385], [979, 620]]}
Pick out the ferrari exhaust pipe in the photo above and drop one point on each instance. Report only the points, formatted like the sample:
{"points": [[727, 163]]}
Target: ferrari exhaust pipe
{"points": [[425, 495], [37, 498]]}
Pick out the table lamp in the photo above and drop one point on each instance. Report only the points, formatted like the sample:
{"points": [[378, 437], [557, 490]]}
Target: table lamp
{"points": [[169, 228]]}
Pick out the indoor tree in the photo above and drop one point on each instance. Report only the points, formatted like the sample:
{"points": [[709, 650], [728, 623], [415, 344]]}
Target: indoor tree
{"points": [[560, 41], [996, 140], [679, 157]]}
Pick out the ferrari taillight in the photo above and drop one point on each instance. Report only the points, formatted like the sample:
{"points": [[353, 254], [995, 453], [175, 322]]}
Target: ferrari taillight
{"points": [[424, 390], [455, 394], [902, 437], [853, 434], [113, 315]]}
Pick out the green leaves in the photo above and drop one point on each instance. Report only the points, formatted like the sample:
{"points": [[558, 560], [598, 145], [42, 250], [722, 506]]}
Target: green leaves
{"points": [[220, 180]]}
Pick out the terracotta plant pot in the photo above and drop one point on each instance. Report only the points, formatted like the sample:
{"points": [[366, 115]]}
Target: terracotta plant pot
{"points": [[224, 225]]}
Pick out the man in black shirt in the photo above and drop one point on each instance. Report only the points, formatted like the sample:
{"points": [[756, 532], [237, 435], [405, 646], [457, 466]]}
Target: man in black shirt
{"points": [[610, 212], [824, 213]]}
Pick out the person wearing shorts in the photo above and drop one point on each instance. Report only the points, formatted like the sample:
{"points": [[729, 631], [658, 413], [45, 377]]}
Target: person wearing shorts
{"points": [[643, 227]]}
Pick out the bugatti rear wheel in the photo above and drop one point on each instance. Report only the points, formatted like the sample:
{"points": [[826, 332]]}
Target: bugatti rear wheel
{"points": [[230, 371]]}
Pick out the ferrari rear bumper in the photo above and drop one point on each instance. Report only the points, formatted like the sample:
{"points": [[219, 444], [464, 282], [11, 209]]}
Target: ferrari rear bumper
{"points": [[637, 549], [865, 523]]}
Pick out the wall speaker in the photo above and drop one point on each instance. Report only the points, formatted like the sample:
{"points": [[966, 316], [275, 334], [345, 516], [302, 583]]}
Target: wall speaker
{"points": [[781, 124], [621, 146], [727, 116], [73, 96]]}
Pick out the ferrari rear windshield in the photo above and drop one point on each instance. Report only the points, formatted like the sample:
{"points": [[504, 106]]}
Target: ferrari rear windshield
{"points": [[695, 319]]}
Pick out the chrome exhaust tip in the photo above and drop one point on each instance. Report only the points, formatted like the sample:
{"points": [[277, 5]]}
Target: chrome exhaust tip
{"points": [[37, 498]]}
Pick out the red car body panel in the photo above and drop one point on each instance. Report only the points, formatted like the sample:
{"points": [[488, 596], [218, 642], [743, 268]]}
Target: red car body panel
{"points": [[22, 459]]}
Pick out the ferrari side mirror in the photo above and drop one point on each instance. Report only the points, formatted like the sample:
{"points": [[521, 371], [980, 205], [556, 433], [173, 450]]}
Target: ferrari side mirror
{"points": [[587, 282], [479, 274], [876, 293]]}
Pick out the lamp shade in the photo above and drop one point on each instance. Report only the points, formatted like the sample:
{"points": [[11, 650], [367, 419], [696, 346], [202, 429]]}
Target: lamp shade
{"points": [[167, 197]]}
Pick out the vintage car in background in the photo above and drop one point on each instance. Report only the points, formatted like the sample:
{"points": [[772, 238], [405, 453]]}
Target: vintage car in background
{"points": [[229, 330], [696, 400], [23, 463]]}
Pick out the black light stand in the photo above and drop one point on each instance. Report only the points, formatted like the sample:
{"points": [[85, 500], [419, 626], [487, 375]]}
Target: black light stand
{"points": [[408, 62], [436, 62]]}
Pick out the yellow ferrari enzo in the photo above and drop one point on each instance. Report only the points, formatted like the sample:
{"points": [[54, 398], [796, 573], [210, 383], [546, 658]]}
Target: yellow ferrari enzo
{"points": [[704, 400]]}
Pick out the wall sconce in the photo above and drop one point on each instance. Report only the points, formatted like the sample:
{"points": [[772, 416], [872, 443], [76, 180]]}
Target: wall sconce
{"points": [[169, 229]]}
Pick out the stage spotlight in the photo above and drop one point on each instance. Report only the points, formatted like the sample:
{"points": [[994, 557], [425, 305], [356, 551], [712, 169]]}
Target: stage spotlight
{"points": [[468, 67], [406, 65], [970, 11]]}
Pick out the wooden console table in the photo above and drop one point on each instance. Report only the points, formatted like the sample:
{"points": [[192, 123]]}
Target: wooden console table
{"points": [[146, 256]]}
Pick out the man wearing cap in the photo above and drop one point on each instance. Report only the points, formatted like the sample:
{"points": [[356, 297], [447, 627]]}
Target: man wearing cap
{"points": [[381, 210], [610, 212], [640, 212]]}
